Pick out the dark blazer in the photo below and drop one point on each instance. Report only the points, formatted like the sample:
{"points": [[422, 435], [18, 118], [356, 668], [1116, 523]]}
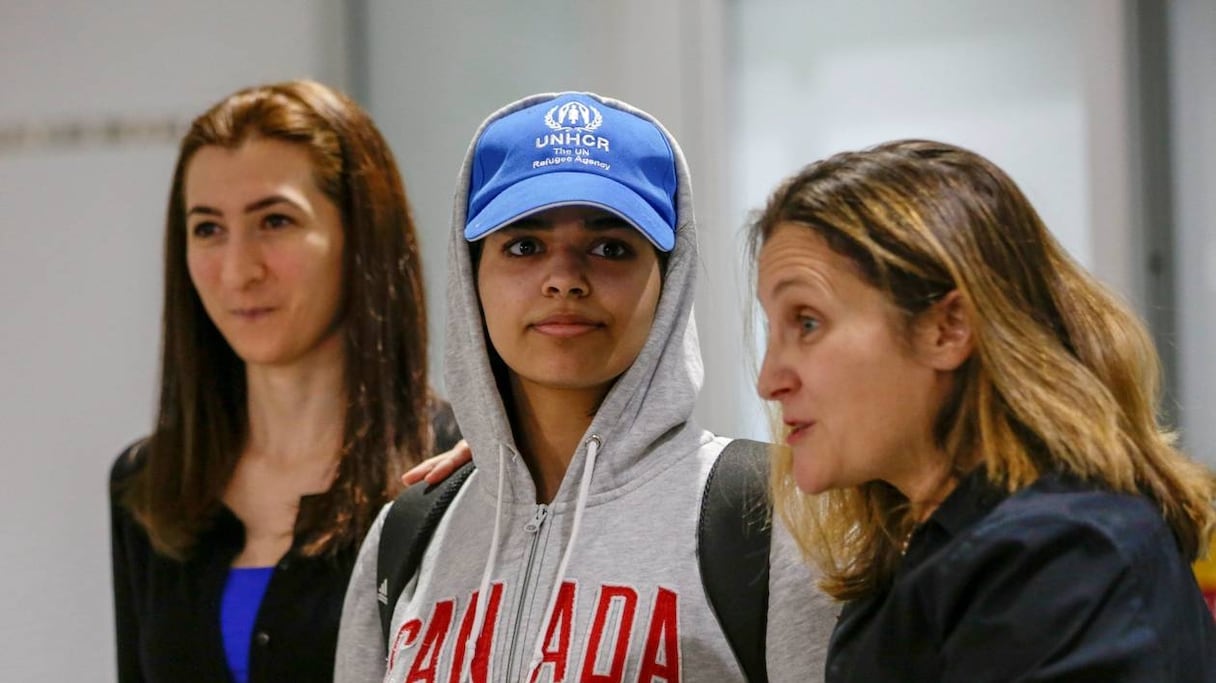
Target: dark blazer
{"points": [[1062, 581], [167, 613]]}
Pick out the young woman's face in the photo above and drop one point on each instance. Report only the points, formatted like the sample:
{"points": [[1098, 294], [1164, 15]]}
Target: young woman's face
{"points": [[858, 393], [568, 295], [264, 249]]}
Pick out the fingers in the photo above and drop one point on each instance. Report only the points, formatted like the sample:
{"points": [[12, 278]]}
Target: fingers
{"points": [[449, 462], [418, 472], [438, 468]]}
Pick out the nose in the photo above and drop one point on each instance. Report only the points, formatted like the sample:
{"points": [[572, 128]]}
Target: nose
{"points": [[243, 264], [566, 275], [777, 380]]}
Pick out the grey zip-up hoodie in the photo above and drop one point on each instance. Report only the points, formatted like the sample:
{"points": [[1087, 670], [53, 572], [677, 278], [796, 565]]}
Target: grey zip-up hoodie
{"points": [[601, 584]]}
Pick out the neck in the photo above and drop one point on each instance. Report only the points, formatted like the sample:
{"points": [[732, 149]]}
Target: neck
{"points": [[927, 483], [297, 412], [549, 424]]}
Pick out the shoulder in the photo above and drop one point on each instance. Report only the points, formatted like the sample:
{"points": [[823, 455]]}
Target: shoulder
{"points": [[1064, 556], [124, 470], [1057, 530], [443, 425], [128, 463], [1059, 509]]}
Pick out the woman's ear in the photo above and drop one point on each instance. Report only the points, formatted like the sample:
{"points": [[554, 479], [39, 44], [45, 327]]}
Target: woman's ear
{"points": [[944, 334]]}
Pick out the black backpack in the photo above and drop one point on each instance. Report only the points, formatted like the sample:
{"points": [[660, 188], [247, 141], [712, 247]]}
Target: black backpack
{"points": [[732, 546]]}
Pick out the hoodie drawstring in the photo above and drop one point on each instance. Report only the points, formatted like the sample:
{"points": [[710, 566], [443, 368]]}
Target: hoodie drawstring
{"points": [[483, 593], [584, 486]]}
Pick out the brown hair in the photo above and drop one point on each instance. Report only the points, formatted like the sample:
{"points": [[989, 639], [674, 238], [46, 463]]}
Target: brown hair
{"points": [[202, 421], [1063, 377]]}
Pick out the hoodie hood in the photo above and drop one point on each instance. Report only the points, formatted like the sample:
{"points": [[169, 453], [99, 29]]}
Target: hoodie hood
{"points": [[651, 403]]}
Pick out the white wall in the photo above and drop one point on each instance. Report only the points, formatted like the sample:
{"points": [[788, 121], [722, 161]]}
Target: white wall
{"points": [[80, 244], [1193, 90]]}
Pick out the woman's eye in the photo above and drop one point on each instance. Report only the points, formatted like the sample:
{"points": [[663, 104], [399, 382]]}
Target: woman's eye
{"points": [[807, 324], [204, 230], [612, 249], [525, 246], [277, 220]]}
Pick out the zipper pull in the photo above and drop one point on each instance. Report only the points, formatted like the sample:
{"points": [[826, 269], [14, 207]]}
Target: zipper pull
{"points": [[533, 525]]}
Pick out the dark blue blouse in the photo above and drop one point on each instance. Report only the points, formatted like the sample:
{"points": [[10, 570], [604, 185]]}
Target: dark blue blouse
{"points": [[243, 593]]}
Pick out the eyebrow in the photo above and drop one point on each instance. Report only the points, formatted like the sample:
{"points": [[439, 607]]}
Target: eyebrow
{"points": [[249, 208]]}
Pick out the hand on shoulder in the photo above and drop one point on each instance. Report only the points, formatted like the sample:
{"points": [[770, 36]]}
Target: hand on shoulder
{"points": [[435, 469]]}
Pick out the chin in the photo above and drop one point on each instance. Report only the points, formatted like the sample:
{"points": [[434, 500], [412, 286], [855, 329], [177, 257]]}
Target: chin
{"points": [[570, 377], [808, 478], [260, 354]]}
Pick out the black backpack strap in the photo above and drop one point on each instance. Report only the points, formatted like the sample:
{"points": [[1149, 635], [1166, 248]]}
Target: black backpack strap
{"points": [[733, 540], [407, 531]]}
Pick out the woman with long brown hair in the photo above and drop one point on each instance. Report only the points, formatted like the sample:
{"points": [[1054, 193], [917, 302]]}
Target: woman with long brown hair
{"points": [[996, 499], [293, 392]]}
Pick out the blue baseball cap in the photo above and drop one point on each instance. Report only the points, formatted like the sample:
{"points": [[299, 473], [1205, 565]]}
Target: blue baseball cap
{"points": [[573, 149]]}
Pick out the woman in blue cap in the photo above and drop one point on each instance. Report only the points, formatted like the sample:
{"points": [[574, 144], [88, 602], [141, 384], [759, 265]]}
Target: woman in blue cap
{"points": [[571, 552]]}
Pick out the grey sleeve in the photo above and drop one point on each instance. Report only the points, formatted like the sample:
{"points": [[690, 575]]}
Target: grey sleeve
{"points": [[800, 616], [362, 650]]}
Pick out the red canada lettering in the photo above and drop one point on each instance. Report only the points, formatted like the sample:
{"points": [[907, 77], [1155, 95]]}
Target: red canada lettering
{"points": [[426, 662], [485, 639], [560, 625], [405, 637], [627, 599], [662, 638]]}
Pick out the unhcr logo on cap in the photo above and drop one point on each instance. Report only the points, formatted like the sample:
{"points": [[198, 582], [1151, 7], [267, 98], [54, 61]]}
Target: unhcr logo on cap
{"points": [[574, 124], [574, 112]]}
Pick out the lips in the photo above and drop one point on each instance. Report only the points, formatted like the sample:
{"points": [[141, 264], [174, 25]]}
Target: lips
{"points": [[797, 430], [566, 325], [252, 313]]}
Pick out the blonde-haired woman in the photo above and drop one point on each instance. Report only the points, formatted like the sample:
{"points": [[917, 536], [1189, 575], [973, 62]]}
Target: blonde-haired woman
{"points": [[997, 499]]}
